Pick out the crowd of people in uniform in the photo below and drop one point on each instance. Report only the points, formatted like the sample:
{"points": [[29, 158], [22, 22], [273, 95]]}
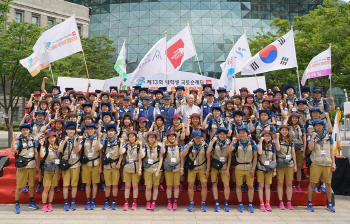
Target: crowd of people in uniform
{"points": [[152, 138]]}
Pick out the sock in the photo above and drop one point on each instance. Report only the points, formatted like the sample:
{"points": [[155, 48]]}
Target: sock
{"points": [[126, 200], [17, 202], [203, 202], [39, 183], [93, 200], [88, 200], [267, 201], [216, 201], [240, 203], [66, 200], [234, 183], [169, 200], [153, 202], [31, 199], [148, 201], [50, 202], [330, 203], [288, 200], [226, 202], [261, 202], [309, 202], [103, 182], [250, 203], [135, 200], [191, 202], [107, 199], [298, 183], [175, 200], [281, 201], [114, 198], [73, 200]]}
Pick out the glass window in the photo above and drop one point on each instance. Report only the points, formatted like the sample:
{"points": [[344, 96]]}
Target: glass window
{"points": [[18, 17], [35, 19], [50, 23], [15, 114], [79, 30]]}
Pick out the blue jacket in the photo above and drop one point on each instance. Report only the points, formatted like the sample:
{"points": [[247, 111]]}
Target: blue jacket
{"points": [[168, 113], [148, 116], [122, 111]]}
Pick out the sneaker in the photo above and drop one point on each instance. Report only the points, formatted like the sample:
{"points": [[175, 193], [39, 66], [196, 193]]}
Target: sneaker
{"points": [[250, 208], [17, 209], [304, 176], [92, 206], [268, 207], [122, 188], [106, 205], [199, 187], [38, 188], [65, 207], [226, 207], [103, 187], [25, 189], [282, 206], [161, 188], [87, 206], [262, 208], [330, 208], [243, 189], [153, 206], [148, 205], [126, 206], [83, 187], [181, 188], [295, 190], [44, 208], [310, 208], [56, 189], [191, 207], [114, 205], [240, 208], [134, 205], [299, 189], [175, 206], [322, 189], [169, 206], [234, 189], [49, 207], [256, 188], [217, 207], [140, 187], [289, 205], [315, 188], [203, 207], [32, 205], [72, 206]]}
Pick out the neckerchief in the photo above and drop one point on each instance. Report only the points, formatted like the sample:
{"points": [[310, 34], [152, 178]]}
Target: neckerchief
{"points": [[134, 143], [39, 124], [152, 146], [263, 124], [228, 111], [197, 147], [114, 138], [159, 129], [304, 112], [179, 98], [22, 137], [244, 142], [63, 116], [53, 146], [126, 129], [177, 128], [144, 129], [196, 128], [236, 124], [158, 101], [285, 139], [91, 138], [317, 101], [172, 144], [217, 122], [221, 143], [325, 131]]}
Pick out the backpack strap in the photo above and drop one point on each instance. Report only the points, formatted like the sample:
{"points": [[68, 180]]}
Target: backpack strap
{"points": [[105, 146], [20, 146]]}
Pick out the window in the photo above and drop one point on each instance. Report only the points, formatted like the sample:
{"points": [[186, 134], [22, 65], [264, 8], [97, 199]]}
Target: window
{"points": [[18, 17], [15, 114], [79, 30], [35, 19], [50, 23]]}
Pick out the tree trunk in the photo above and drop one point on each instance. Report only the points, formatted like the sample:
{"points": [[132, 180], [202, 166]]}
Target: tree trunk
{"points": [[9, 131]]}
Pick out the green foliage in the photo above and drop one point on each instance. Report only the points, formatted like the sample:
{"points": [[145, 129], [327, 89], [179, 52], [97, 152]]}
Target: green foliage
{"points": [[4, 8]]}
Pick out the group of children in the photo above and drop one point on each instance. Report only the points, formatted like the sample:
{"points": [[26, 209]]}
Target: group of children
{"points": [[146, 137]]}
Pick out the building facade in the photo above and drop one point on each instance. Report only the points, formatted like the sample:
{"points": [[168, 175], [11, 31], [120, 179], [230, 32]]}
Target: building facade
{"points": [[215, 24]]}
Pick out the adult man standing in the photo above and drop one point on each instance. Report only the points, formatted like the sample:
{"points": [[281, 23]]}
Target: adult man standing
{"points": [[186, 110]]}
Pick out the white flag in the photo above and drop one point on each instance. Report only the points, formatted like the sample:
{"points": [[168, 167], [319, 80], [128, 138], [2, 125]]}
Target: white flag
{"points": [[120, 65], [152, 63], [60, 41], [180, 48], [320, 65], [34, 64], [276, 56], [239, 54]]}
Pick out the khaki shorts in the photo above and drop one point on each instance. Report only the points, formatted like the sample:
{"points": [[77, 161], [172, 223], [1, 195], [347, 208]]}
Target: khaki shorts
{"points": [[172, 178], [193, 173], [71, 177], [262, 177], [285, 173], [299, 156], [239, 177], [316, 171], [50, 179], [150, 179], [25, 175], [111, 176], [130, 177], [89, 174], [214, 175]]}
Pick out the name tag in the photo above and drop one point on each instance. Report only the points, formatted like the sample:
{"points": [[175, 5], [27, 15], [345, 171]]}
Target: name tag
{"points": [[279, 122], [323, 152], [87, 144], [57, 161], [240, 147], [258, 127], [160, 144], [150, 161], [288, 157], [131, 160], [90, 154], [213, 126], [24, 144], [30, 154], [204, 106], [35, 128], [310, 126], [222, 159], [193, 151], [74, 156], [267, 163], [36, 138], [194, 163], [217, 147], [294, 109], [141, 109], [107, 155], [108, 144], [121, 111], [173, 160], [289, 102]]}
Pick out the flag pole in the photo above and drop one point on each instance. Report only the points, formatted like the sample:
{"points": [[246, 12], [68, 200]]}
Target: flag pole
{"points": [[51, 73], [256, 78], [166, 61], [200, 71], [330, 76], [297, 70]]}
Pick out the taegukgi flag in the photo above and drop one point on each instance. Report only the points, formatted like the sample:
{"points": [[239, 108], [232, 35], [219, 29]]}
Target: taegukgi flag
{"points": [[60, 41], [120, 65], [179, 49], [278, 55], [239, 54], [320, 65], [152, 63], [33, 64]]}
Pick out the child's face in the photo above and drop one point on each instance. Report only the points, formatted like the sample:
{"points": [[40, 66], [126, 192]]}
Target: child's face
{"points": [[127, 121], [159, 122], [58, 126], [87, 109], [106, 119], [66, 101], [176, 121]]}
